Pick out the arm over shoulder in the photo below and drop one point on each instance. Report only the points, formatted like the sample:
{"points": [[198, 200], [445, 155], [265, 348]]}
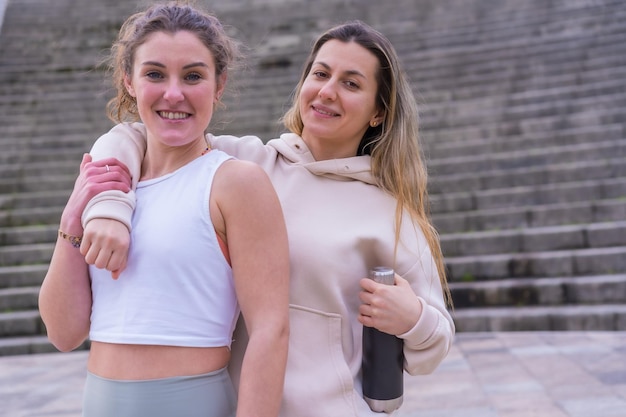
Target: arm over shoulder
{"points": [[127, 143]]}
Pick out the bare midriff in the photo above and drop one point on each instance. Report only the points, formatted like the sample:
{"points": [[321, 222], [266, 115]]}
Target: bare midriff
{"points": [[137, 362]]}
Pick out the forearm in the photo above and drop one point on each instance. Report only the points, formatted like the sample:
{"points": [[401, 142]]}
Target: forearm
{"points": [[65, 294], [262, 374], [65, 297]]}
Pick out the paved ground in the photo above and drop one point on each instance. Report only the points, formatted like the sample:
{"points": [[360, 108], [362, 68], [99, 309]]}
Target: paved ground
{"points": [[529, 374]]}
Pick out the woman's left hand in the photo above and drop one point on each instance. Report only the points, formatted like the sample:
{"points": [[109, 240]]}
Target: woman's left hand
{"points": [[392, 309]]}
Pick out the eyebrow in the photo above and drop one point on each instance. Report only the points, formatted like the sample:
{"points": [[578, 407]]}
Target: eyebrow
{"points": [[348, 72], [192, 65]]}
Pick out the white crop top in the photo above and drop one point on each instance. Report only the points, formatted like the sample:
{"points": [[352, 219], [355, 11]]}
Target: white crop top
{"points": [[177, 288]]}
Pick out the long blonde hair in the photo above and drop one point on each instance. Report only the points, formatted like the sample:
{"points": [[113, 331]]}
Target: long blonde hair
{"points": [[398, 162]]}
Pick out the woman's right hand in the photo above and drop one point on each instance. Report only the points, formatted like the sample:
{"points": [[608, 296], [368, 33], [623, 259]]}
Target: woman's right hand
{"points": [[105, 245]]}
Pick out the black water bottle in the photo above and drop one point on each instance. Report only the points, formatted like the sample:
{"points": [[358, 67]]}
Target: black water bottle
{"points": [[383, 359]]}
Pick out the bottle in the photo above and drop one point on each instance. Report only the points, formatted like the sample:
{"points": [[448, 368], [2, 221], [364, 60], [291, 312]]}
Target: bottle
{"points": [[383, 359]]}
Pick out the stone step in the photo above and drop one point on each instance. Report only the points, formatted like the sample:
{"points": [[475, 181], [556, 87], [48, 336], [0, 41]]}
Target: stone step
{"points": [[48, 198], [534, 176], [407, 34], [525, 87], [543, 239], [520, 292], [51, 82], [28, 235], [593, 211], [574, 262], [31, 216], [513, 143], [523, 196], [22, 275], [19, 299], [494, 114], [38, 170], [509, 104], [26, 254], [26, 345], [15, 144], [532, 126], [34, 184], [45, 155], [50, 126], [527, 158], [608, 317], [556, 25], [21, 323], [495, 60], [71, 99]]}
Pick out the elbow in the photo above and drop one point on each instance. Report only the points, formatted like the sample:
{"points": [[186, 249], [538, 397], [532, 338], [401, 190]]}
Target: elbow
{"points": [[281, 333], [66, 340], [425, 359], [284, 335], [65, 344], [428, 361], [273, 336]]}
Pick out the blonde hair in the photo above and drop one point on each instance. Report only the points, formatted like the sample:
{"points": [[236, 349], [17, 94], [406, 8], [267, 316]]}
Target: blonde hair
{"points": [[397, 160], [170, 17]]}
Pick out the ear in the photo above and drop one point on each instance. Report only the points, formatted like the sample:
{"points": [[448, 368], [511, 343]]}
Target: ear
{"points": [[377, 119], [221, 86], [129, 86]]}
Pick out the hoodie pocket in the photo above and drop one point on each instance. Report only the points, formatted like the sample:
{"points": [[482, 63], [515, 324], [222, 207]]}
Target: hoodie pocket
{"points": [[318, 381]]}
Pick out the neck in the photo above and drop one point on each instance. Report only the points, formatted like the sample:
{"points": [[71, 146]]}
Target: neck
{"points": [[162, 160], [323, 152]]}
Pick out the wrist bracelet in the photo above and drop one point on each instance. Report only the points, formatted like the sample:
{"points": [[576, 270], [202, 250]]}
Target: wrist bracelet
{"points": [[74, 240]]}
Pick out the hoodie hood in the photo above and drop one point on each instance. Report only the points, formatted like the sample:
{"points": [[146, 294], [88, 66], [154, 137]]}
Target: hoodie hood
{"points": [[293, 149]]}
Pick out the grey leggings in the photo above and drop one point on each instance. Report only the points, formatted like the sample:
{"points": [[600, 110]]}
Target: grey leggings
{"points": [[207, 395]]}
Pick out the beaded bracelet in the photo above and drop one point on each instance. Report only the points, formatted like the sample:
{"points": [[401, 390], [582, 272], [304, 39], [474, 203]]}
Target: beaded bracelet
{"points": [[74, 240]]}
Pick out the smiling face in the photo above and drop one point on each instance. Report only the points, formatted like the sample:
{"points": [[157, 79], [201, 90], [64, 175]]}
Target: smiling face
{"points": [[338, 99], [175, 84]]}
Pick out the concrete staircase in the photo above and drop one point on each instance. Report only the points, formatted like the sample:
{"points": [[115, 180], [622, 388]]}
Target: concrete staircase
{"points": [[523, 114]]}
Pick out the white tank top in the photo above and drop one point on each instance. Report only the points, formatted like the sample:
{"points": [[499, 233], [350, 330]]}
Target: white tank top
{"points": [[178, 287]]}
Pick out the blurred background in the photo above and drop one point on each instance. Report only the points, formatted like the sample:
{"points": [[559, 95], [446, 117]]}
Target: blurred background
{"points": [[523, 116]]}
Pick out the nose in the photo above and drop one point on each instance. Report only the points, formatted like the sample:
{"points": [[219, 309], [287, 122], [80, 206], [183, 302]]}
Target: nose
{"points": [[173, 92], [328, 91]]}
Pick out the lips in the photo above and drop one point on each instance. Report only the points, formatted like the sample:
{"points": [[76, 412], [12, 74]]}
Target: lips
{"points": [[170, 115], [325, 111]]}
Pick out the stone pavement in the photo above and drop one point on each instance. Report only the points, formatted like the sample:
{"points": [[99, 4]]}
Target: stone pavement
{"points": [[520, 374]]}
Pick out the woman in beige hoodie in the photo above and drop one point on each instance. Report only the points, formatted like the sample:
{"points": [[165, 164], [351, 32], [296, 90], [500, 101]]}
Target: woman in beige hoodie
{"points": [[352, 182]]}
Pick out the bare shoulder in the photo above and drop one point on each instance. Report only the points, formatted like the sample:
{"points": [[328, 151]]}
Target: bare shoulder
{"points": [[242, 180], [236, 170]]}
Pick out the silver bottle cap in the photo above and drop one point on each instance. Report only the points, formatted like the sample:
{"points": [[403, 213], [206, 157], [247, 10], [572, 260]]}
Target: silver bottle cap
{"points": [[383, 275]]}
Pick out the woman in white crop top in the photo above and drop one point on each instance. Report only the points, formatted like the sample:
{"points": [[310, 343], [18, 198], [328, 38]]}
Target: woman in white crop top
{"points": [[208, 241]]}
